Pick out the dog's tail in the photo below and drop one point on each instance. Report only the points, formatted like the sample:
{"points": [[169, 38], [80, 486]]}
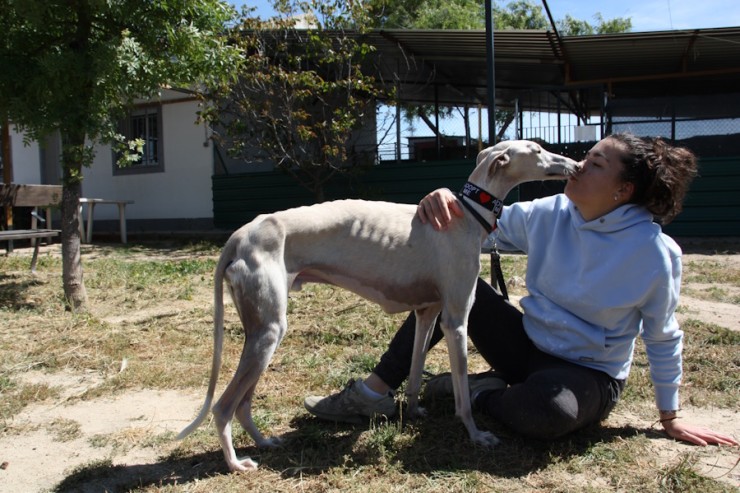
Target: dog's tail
{"points": [[218, 342]]}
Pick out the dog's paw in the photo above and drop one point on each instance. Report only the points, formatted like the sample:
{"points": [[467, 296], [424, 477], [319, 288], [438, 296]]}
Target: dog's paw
{"points": [[417, 412], [243, 465], [486, 439], [273, 442]]}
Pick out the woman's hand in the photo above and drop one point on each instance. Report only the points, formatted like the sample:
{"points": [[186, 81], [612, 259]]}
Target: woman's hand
{"points": [[686, 432], [438, 207]]}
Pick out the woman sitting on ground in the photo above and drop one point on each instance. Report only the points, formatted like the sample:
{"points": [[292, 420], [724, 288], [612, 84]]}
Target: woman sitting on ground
{"points": [[600, 273]]}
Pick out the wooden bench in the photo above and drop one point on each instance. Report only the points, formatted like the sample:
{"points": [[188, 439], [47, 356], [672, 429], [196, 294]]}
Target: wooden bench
{"points": [[35, 196]]}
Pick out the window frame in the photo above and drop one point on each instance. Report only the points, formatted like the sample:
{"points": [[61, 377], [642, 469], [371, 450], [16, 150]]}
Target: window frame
{"points": [[126, 126]]}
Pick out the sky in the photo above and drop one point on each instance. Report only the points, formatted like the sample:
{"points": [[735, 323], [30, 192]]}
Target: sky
{"points": [[646, 15]]}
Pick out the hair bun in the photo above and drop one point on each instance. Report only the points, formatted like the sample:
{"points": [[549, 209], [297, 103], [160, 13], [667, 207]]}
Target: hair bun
{"points": [[660, 172]]}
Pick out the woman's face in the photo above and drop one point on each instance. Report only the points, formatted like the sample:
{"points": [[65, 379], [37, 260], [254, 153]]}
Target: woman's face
{"points": [[597, 188]]}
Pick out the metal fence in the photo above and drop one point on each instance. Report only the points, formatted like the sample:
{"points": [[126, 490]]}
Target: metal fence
{"points": [[710, 123]]}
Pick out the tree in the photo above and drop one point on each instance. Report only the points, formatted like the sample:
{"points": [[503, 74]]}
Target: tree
{"points": [[75, 66], [574, 27], [522, 14], [302, 95], [444, 14]]}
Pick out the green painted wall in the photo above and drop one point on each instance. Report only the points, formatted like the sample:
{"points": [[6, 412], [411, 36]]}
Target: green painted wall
{"points": [[712, 207], [239, 198]]}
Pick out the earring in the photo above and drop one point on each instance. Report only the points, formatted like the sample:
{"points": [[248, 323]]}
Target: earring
{"points": [[616, 197]]}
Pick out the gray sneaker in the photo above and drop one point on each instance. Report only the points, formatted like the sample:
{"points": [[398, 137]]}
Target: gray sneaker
{"points": [[440, 387], [350, 405]]}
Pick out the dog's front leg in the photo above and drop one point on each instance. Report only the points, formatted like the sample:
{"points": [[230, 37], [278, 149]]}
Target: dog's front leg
{"points": [[425, 319], [457, 345]]}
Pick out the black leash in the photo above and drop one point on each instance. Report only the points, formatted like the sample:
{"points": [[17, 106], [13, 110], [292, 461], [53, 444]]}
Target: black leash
{"points": [[496, 268], [495, 205]]}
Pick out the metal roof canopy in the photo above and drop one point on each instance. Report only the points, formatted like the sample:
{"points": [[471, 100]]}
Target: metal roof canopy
{"points": [[574, 72]]}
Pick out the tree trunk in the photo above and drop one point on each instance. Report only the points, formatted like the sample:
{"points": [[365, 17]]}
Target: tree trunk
{"points": [[75, 294]]}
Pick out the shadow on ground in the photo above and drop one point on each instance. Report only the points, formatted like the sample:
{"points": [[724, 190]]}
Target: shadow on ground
{"points": [[440, 444]]}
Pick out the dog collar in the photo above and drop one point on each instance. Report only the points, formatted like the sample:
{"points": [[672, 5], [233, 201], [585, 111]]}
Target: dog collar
{"points": [[483, 198], [490, 228]]}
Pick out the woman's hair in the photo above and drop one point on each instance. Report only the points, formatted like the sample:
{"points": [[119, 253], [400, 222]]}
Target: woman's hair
{"points": [[661, 174]]}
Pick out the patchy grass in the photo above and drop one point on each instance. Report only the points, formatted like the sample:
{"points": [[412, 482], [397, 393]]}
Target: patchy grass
{"points": [[711, 272], [150, 326], [713, 281], [64, 430]]}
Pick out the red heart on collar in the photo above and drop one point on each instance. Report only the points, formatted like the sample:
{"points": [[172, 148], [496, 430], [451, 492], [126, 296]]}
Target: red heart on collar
{"points": [[484, 197]]}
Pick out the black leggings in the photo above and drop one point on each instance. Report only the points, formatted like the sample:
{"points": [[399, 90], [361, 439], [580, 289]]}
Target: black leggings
{"points": [[548, 397]]}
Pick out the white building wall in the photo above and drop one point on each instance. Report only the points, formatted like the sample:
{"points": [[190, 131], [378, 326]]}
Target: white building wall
{"points": [[26, 159], [182, 191]]}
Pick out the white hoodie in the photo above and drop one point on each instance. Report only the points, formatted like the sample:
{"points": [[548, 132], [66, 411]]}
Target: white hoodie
{"points": [[595, 286]]}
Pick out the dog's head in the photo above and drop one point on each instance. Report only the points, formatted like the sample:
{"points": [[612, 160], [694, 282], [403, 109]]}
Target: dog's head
{"points": [[518, 161]]}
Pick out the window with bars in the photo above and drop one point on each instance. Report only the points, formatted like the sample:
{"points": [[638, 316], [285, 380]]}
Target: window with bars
{"points": [[143, 123]]}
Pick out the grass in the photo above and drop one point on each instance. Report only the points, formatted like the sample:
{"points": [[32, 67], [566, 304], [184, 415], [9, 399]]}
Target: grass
{"points": [[64, 430], [719, 283], [150, 306]]}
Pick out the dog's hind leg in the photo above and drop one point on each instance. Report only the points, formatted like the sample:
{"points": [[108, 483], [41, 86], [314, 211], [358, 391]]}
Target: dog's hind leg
{"points": [[261, 356], [223, 427], [258, 350], [424, 327], [244, 416], [260, 295]]}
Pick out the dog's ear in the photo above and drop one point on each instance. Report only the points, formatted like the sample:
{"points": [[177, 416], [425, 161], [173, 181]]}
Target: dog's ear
{"points": [[500, 160], [482, 155], [491, 151], [497, 156], [503, 158]]}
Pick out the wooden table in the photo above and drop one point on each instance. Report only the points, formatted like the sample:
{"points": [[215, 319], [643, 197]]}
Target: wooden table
{"points": [[91, 203]]}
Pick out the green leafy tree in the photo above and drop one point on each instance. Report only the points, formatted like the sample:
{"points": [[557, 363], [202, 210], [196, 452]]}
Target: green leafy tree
{"points": [[522, 14], [569, 26], [449, 14], [303, 94], [75, 66]]}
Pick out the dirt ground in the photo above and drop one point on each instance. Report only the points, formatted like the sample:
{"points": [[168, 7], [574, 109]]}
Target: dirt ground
{"points": [[34, 459]]}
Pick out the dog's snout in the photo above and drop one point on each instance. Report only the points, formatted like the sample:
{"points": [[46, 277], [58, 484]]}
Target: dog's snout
{"points": [[569, 166]]}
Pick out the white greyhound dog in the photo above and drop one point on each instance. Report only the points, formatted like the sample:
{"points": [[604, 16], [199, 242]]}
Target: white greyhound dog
{"points": [[378, 250]]}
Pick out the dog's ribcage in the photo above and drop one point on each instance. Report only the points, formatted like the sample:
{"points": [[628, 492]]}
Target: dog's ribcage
{"points": [[378, 250]]}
